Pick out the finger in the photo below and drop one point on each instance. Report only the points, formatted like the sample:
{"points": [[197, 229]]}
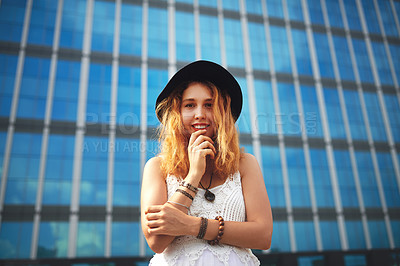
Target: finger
{"points": [[153, 208], [207, 145], [206, 152], [153, 224], [152, 216], [195, 135], [202, 139]]}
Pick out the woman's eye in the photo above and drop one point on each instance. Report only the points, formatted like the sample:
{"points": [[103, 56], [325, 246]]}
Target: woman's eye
{"points": [[189, 105], [208, 105]]}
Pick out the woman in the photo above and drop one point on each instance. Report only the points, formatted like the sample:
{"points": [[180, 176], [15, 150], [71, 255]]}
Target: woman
{"points": [[203, 201]]}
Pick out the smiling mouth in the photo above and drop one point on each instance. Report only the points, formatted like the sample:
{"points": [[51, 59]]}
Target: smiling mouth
{"points": [[200, 127]]}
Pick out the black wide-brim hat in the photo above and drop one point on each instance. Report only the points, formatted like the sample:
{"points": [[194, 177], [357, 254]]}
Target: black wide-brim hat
{"points": [[205, 71]]}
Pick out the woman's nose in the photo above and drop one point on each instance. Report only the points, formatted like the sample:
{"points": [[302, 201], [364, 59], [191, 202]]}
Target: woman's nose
{"points": [[200, 113]]}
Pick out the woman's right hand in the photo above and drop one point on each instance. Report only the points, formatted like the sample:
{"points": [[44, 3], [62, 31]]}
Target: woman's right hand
{"points": [[199, 147]]}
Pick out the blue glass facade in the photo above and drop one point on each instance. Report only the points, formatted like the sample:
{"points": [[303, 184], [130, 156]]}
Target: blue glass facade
{"points": [[321, 113]]}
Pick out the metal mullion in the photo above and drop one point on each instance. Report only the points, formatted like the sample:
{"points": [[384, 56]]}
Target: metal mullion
{"points": [[46, 131], [14, 105], [289, 209], [370, 139], [338, 204], [306, 151], [112, 131], [143, 105], [80, 131], [356, 176]]}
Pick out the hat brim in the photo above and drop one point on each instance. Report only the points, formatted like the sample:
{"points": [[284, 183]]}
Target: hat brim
{"points": [[205, 71]]}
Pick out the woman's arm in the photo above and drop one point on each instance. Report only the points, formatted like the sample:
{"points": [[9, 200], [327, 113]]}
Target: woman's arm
{"points": [[255, 233], [154, 192], [156, 211]]}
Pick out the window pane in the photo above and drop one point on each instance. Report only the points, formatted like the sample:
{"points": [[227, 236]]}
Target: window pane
{"points": [[58, 175], [258, 46], [90, 242], [280, 238], [305, 235], [302, 53], [23, 169], [322, 181], [376, 124], [355, 234], [266, 117], [93, 188], [125, 239], [299, 190], [185, 39], [131, 30], [103, 26], [16, 240], [126, 172], [53, 240], [355, 116], [8, 68], [209, 34], [330, 235], [289, 113], [128, 99], [156, 80], [273, 176], [367, 179], [12, 14], [66, 90], [353, 19], [43, 18], [233, 43], [98, 95], [158, 33], [393, 111], [33, 92], [280, 49], [343, 58], [312, 117], [73, 24], [347, 187]]}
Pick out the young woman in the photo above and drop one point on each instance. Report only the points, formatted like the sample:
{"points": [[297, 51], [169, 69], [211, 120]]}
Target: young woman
{"points": [[203, 201]]}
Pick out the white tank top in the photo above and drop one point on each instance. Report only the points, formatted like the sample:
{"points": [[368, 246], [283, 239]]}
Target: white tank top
{"points": [[188, 250]]}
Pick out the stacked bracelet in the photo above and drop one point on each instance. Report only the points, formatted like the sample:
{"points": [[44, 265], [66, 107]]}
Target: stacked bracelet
{"points": [[221, 228], [203, 228], [179, 204], [189, 186], [185, 193]]}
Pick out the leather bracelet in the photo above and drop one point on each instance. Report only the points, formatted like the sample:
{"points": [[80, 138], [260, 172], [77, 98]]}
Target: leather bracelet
{"points": [[221, 228], [185, 193], [203, 228], [189, 186]]}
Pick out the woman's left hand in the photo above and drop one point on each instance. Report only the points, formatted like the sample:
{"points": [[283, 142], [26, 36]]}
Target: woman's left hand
{"points": [[166, 220]]}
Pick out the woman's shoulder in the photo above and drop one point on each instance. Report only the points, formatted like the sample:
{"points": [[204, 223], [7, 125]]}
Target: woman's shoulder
{"points": [[153, 166], [247, 162]]}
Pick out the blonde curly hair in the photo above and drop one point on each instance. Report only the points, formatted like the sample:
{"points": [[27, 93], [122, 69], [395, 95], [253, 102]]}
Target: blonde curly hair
{"points": [[174, 138]]}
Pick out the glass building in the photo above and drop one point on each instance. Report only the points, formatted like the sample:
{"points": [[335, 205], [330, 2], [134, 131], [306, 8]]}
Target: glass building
{"points": [[78, 83]]}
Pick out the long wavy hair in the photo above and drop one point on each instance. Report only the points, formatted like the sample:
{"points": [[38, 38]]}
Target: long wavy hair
{"points": [[174, 137]]}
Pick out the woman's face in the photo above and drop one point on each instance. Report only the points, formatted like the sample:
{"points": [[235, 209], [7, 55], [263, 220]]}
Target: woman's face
{"points": [[197, 109]]}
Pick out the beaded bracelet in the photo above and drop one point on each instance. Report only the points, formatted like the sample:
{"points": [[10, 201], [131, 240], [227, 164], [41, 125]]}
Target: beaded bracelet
{"points": [[189, 186], [203, 228], [220, 231], [185, 193]]}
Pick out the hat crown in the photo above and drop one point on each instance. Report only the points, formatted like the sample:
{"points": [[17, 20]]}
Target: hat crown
{"points": [[203, 70]]}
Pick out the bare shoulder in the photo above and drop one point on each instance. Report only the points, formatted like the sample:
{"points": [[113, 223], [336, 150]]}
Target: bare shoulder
{"points": [[247, 160], [153, 168]]}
